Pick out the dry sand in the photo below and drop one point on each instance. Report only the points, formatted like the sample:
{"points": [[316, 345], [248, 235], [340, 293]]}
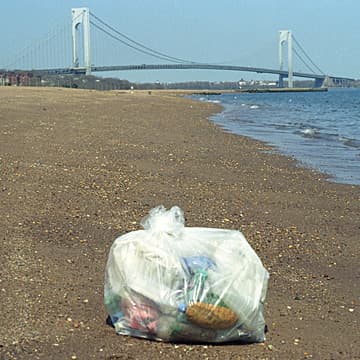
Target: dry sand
{"points": [[79, 168]]}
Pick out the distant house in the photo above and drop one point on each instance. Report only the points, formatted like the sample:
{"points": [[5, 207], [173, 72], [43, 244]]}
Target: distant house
{"points": [[12, 78]]}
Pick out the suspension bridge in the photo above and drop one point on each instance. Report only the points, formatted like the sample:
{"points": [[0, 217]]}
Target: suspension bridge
{"points": [[82, 46]]}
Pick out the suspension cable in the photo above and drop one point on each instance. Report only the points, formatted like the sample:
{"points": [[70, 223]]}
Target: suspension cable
{"points": [[307, 56], [130, 45], [147, 50], [303, 61]]}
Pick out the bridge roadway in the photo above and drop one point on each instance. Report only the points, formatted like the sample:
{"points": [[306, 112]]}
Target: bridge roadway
{"points": [[319, 78]]}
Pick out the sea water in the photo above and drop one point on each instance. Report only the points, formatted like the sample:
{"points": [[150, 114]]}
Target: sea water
{"points": [[319, 129]]}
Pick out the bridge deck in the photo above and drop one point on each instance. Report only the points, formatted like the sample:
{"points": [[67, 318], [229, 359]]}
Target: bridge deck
{"points": [[283, 73]]}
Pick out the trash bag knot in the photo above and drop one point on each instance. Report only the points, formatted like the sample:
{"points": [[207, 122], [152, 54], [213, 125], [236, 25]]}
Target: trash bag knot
{"points": [[161, 220]]}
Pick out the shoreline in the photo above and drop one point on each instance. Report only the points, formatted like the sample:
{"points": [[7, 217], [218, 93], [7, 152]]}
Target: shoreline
{"points": [[331, 173], [79, 168]]}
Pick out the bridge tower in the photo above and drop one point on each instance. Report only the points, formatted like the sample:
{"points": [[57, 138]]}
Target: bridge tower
{"points": [[285, 36], [81, 16]]}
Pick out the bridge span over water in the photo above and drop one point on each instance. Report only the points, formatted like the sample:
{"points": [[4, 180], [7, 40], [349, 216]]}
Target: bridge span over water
{"points": [[83, 60], [320, 79]]}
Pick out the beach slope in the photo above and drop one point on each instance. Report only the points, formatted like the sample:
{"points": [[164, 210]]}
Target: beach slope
{"points": [[79, 168]]}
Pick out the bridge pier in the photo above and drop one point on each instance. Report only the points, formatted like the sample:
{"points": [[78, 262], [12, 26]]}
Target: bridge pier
{"points": [[281, 81], [319, 82], [81, 16], [341, 82], [286, 36]]}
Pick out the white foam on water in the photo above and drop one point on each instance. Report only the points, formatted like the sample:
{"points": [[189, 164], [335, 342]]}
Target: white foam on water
{"points": [[309, 132]]}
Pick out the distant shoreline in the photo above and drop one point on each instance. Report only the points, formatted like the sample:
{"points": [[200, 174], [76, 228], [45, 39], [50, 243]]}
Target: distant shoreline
{"points": [[237, 91], [276, 90]]}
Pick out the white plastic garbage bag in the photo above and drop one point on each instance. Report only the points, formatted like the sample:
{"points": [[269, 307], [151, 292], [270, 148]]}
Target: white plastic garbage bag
{"points": [[174, 283]]}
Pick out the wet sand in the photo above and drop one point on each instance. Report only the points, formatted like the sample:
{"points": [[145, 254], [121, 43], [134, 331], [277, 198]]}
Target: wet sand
{"points": [[79, 168]]}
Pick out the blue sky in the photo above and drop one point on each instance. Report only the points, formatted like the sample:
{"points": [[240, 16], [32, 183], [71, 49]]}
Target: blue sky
{"points": [[237, 32]]}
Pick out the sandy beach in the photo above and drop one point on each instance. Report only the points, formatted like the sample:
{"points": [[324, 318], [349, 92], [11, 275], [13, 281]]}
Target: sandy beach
{"points": [[78, 168]]}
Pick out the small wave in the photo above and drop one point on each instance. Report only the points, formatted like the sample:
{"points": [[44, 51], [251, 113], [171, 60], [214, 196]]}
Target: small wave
{"points": [[281, 126], [350, 142], [214, 101], [309, 132], [254, 106]]}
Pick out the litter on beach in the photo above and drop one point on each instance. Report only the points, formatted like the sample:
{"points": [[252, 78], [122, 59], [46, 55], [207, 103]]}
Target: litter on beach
{"points": [[169, 282]]}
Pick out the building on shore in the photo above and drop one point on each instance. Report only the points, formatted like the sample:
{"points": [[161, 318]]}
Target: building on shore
{"points": [[14, 78]]}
